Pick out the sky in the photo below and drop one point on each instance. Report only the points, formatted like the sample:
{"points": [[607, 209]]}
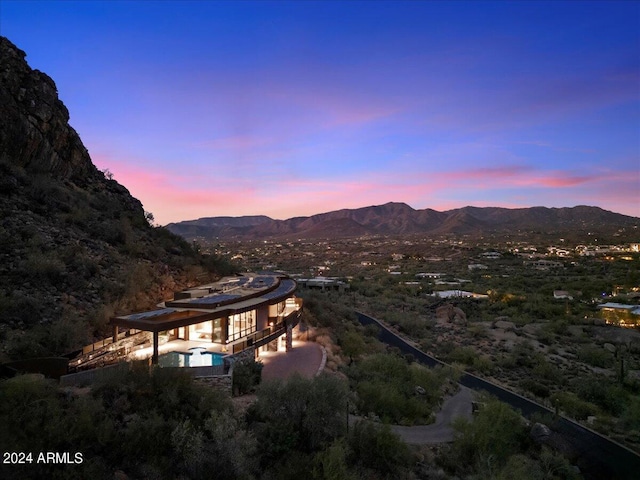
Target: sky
{"points": [[204, 108]]}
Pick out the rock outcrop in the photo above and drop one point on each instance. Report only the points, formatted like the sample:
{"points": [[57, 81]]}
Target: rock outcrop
{"points": [[451, 314], [75, 246], [34, 129]]}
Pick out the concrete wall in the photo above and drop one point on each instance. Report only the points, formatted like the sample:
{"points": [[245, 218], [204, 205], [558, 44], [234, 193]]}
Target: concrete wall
{"points": [[262, 317]]}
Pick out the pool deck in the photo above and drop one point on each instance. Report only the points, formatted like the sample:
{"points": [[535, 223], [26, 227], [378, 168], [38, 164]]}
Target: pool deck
{"points": [[305, 358], [177, 346]]}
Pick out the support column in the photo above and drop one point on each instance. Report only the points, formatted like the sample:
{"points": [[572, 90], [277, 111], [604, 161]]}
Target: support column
{"points": [[186, 331], [115, 333], [289, 338], [154, 358], [224, 329]]}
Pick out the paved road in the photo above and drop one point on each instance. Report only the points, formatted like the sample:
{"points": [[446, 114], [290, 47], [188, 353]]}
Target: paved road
{"points": [[440, 431], [597, 456], [458, 405]]}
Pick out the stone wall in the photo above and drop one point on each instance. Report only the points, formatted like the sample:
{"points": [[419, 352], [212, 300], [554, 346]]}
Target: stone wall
{"points": [[248, 353], [219, 382]]}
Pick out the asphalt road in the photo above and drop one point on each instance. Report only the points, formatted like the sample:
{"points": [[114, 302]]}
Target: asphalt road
{"points": [[459, 405], [597, 456]]}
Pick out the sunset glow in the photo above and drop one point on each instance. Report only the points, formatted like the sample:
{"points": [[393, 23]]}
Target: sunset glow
{"points": [[296, 108]]}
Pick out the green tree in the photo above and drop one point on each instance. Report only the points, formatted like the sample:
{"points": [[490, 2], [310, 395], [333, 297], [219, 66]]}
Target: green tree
{"points": [[300, 413], [377, 447], [496, 433]]}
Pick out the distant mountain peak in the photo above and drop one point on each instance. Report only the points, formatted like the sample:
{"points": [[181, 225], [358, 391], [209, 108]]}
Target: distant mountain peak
{"points": [[397, 218]]}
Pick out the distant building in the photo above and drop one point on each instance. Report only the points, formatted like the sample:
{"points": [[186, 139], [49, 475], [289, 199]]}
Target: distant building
{"points": [[459, 294], [430, 275], [562, 294], [545, 264], [323, 283], [620, 314], [477, 266]]}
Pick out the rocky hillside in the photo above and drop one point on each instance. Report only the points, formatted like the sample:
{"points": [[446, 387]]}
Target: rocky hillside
{"points": [[401, 219], [75, 246]]}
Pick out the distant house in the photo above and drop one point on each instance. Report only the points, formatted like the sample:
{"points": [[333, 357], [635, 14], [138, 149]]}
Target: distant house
{"points": [[620, 314], [430, 275], [562, 294], [491, 255], [458, 294], [545, 264], [477, 266], [323, 283]]}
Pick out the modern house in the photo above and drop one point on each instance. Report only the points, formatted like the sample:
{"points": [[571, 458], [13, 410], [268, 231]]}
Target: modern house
{"points": [[240, 314]]}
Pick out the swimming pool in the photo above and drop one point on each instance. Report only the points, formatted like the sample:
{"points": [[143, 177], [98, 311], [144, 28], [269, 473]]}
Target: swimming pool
{"points": [[195, 357]]}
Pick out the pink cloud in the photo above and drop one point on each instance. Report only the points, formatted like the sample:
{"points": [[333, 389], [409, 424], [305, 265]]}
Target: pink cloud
{"points": [[187, 195]]}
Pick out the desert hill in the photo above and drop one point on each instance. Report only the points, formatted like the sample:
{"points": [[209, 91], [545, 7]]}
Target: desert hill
{"points": [[401, 219], [75, 246]]}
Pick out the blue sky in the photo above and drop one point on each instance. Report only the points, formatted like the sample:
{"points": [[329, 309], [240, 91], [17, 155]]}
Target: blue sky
{"points": [[295, 108]]}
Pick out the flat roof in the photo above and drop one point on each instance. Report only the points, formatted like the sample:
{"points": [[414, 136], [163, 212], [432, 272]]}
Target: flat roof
{"points": [[216, 300]]}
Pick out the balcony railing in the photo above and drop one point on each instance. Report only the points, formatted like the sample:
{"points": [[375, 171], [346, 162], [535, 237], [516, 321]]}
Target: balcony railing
{"points": [[267, 335]]}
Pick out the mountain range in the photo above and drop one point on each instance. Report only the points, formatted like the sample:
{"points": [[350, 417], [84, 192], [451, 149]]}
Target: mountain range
{"points": [[401, 219]]}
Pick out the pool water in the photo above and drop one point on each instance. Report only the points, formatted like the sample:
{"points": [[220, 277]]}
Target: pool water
{"points": [[196, 357]]}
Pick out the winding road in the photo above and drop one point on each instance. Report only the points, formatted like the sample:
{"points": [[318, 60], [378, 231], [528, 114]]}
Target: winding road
{"points": [[459, 405], [597, 456]]}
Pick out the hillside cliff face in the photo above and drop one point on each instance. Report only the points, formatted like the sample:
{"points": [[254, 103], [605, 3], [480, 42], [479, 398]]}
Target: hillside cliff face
{"points": [[75, 246], [34, 129]]}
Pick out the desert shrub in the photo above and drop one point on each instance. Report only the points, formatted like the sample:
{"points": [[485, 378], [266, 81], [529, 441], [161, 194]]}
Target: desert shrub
{"points": [[246, 376], [487, 442], [299, 414], [386, 386], [136, 421], [521, 467], [332, 463], [570, 404], [535, 387], [44, 268], [464, 355], [595, 356], [631, 416], [545, 370], [352, 344], [609, 396], [377, 447], [483, 364]]}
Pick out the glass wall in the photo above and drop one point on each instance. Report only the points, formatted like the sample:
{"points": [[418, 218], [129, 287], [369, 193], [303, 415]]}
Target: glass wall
{"points": [[241, 325], [206, 331]]}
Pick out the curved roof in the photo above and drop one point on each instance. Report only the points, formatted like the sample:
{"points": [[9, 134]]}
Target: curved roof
{"points": [[208, 302]]}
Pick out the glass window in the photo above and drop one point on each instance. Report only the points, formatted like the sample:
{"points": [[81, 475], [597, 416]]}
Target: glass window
{"points": [[241, 325]]}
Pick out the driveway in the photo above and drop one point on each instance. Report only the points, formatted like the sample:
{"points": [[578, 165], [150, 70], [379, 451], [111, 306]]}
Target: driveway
{"points": [[459, 405]]}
